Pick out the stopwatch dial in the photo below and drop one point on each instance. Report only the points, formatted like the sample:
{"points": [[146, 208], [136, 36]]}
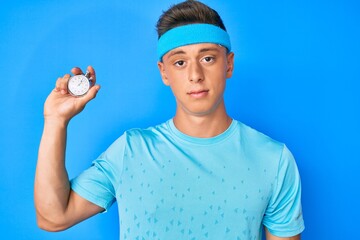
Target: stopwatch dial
{"points": [[78, 85]]}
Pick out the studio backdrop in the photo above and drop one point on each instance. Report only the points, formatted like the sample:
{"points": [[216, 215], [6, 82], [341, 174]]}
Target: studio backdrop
{"points": [[296, 79]]}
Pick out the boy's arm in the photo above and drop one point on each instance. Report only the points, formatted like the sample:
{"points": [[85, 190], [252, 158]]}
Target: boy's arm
{"points": [[57, 207], [269, 236]]}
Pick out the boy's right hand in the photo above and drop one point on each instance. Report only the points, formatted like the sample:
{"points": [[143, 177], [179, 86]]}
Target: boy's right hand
{"points": [[61, 105]]}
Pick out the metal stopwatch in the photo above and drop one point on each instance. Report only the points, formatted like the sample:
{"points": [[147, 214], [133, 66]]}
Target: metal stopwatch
{"points": [[79, 85]]}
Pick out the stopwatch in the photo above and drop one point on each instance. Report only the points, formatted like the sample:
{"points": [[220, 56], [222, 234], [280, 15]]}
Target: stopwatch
{"points": [[79, 85]]}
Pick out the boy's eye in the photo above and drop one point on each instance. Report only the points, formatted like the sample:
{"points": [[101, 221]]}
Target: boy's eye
{"points": [[208, 59], [179, 63]]}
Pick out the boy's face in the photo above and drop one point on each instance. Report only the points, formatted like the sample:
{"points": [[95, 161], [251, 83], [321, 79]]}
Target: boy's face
{"points": [[197, 75]]}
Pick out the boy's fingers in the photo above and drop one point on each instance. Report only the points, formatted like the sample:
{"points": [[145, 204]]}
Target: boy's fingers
{"points": [[61, 84], [91, 70], [76, 71], [90, 95]]}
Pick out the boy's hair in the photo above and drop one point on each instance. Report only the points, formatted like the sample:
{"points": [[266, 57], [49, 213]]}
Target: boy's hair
{"points": [[187, 12]]}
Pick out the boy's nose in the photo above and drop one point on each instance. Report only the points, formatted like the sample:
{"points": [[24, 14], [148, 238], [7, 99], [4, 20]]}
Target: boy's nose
{"points": [[196, 73]]}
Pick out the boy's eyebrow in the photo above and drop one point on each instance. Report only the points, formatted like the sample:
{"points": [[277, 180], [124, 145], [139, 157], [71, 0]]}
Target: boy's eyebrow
{"points": [[172, 53]]}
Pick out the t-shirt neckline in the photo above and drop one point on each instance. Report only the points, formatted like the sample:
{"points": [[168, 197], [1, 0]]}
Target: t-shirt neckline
{"points": [[201, 141]]}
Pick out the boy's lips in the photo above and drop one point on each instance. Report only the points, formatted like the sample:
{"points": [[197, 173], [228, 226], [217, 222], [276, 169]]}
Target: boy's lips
{"points": [[198, 93]]}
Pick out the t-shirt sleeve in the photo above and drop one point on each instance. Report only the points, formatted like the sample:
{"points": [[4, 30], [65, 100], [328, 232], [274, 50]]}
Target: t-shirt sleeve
{"points": [[283, 216], [98, 183]]}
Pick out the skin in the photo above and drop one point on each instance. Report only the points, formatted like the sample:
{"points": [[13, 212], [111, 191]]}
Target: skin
{"points": [[197, 76], [269, 236]]}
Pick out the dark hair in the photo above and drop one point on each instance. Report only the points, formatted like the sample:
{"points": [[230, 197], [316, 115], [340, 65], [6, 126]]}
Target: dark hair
{"points": [[187, 12]]}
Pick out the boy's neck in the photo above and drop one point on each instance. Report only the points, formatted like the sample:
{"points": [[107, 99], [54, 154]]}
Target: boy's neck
{"points": [[202, 126]]}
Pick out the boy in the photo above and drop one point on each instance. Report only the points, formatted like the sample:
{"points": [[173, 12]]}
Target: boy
{"points": [[199, 175]]}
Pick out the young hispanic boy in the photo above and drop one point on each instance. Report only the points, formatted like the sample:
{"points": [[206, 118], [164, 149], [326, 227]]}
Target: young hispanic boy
{"points": [[199, 175]]}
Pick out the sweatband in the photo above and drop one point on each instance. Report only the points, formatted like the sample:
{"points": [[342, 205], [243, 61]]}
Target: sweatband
{"points": [[192, 34]]}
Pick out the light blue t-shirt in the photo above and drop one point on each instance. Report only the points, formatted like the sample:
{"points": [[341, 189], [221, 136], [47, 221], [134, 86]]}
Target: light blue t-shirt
{"points": [[169, 185]]}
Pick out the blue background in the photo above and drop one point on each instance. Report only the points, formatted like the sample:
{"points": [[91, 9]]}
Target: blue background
{"points": [[296, 79]]}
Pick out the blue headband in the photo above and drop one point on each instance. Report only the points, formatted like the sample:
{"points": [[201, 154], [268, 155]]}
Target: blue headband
{"points": [[192, 34]]}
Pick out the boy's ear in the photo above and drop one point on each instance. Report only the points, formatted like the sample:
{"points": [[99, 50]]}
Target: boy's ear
{"points": [[230, 65], [163, 73]]}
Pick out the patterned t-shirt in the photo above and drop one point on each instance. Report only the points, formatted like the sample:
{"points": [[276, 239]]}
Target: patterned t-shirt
{"points": [[169, 185]]}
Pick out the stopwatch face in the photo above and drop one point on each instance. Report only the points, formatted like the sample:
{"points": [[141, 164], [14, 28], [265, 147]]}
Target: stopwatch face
{"points": [[78, 85]]}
